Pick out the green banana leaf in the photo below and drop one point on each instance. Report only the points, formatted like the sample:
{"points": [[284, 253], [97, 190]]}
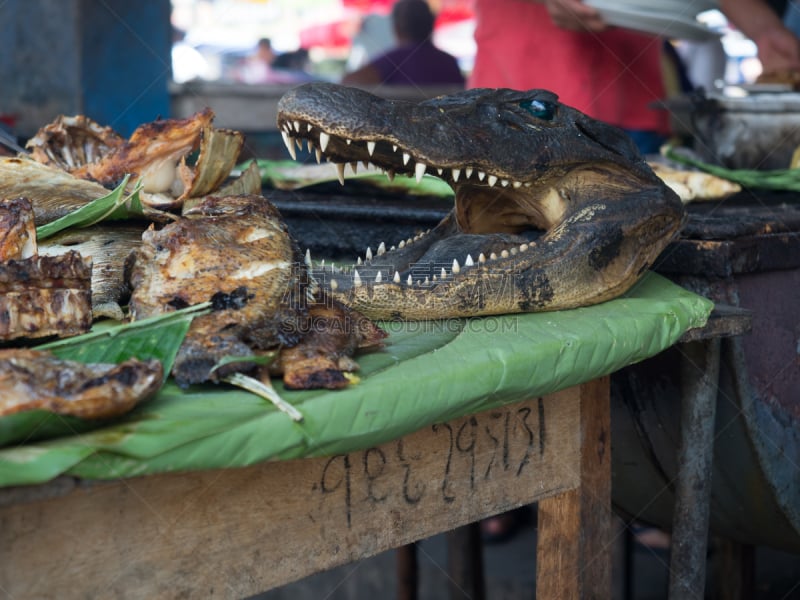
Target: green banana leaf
{"points": [[114, 205], [428, 372]]}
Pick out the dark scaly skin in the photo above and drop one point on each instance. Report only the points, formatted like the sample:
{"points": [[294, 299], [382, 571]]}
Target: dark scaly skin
{"points": [[574, 214]]}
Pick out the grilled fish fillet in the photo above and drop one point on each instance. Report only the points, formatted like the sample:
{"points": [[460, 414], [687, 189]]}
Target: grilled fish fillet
{"points": [[17, 230], [52, 192], [39, 295], [34, 379], [108, 245], [45, 295]]}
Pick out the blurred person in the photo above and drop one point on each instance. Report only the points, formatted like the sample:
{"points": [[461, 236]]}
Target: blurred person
{"points": [[294, 66], [610, 73], [187, 62], [415, 60], [374, 37], [259, 67]]}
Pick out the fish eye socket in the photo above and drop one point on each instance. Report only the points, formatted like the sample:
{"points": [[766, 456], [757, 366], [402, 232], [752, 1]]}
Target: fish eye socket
{"points": [[539, 108]]}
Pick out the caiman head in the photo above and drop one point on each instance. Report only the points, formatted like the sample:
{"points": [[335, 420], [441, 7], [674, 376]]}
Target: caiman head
{"points": [[553, 209]]}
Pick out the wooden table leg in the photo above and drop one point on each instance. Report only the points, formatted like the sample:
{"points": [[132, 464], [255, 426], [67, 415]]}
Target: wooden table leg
{"points": [[690, 517], [573, 554], [465, 562], [407, 572]]}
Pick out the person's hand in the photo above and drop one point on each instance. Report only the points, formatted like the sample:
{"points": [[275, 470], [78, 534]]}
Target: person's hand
{"points": [[778, 50], [575, 15]]}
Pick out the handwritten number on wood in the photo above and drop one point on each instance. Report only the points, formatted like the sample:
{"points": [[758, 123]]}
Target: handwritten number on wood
{"points": [[446, 496], [328, 487], [373, 469], [465, 443], [419, 488]]}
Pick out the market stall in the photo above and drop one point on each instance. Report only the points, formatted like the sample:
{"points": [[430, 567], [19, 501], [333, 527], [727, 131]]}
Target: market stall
{"points": [[447, 425]]}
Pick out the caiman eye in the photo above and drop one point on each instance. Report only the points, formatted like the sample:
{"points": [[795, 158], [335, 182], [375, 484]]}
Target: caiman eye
{"points": [[540, 109]]}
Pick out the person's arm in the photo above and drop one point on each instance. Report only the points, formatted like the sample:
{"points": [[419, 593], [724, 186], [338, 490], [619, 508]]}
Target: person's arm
{"points": [[778, 47]]}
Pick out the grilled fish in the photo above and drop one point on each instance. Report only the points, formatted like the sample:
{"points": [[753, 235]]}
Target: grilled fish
{"points": [[235, 251], [52, 192], [108, 245], [17, 231], [39, 295], [155, 155], [35, 379]]}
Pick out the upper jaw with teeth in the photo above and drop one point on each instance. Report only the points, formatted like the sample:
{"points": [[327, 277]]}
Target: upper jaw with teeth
{"points": [[385, 155]]}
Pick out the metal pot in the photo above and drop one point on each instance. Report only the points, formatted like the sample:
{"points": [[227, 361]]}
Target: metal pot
{"points": [[754, 131]]}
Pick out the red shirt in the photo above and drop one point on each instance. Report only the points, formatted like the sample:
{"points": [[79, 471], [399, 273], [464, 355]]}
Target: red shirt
{"points": [[612, 75]]}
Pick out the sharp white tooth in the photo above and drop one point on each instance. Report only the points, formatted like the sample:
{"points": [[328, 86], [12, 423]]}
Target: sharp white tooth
{"points": [[333, 268], [340, 172], [390, 175], [308, 127], [381, 249], [456, 174], [523, 248], [427, 281], [310, 145], [504, 254], [359, 261], [440, 171], [517, 184], [402, 244], [334, 284], [443, 274], [393, 248], [324, 138], [396, 278], [527, 184], [289, 142], [493, 256], [286, 127], [299, 143], [408, 241], [409, 281], [318, 153], [406, 158], [456, 266], [419, 171], [367, 165], [354, 166], [468, 172], [297, 126], [433, 279], [468, 262], [513, 251], [481, 175], [356, 278], [394, 147], [348, 141], [504, 182], [492, 180], [481, 258], [370, 147], [369, 254], [322, 263], [378, 277], [308, 257]]}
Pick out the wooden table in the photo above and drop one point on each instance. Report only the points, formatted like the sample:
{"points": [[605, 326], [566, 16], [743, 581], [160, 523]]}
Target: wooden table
{"points": [[234, 532]]}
